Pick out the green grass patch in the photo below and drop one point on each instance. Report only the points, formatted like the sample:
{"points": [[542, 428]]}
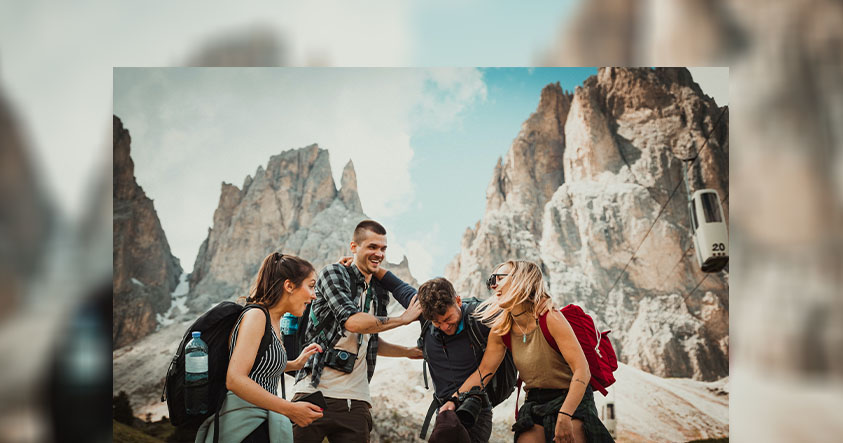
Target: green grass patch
{"points": [[122, 433]]}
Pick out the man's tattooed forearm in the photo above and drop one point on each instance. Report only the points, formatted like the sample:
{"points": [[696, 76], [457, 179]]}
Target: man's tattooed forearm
{"points": [[581, 382], [382, 320]]}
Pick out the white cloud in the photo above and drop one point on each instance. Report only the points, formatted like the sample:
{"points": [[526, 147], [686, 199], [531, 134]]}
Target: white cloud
{"points": [[450, 92], [420, 252]]}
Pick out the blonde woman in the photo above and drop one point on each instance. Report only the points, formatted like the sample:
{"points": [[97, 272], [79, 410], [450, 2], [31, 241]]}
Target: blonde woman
{"points": [[560, 404]]}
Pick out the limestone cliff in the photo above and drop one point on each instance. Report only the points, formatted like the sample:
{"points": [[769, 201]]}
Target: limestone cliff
{"points": [[292, 206], [577, 191], [145, 272]]}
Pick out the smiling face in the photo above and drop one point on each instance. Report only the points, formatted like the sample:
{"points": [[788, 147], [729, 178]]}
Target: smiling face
{"points": [[301, 296], [369, 252], [450, 320], [501, 282]]}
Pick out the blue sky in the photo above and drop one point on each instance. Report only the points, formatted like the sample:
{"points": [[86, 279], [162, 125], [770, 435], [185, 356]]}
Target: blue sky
{"points": [[451, 168], [491, 33], [424, 141]]}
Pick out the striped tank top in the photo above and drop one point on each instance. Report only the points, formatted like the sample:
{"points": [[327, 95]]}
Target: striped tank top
{"points": [[270, 366]]}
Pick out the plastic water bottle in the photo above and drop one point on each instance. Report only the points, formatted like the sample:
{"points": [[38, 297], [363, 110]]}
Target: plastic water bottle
{"points": [[196, 375], [289, 324]]}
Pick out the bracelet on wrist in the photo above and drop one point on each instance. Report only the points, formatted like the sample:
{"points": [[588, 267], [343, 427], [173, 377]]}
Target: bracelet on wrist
{"points": [[565, 413]]}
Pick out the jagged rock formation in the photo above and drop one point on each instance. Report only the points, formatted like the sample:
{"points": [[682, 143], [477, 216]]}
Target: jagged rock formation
{"points": [[292, 206], [26, 217], [586, 176], [145, 272]]}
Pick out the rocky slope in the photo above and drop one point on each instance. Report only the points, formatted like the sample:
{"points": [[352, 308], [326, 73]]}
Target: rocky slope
{"points": [[145, 272], [584, 180]]}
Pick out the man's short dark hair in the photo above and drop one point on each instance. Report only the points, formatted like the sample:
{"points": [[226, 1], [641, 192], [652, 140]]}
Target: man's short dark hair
{"points": [[367, 225], [436, 296]]}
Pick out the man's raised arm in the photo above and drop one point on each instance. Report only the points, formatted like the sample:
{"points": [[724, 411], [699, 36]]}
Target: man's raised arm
{"points": [[402, 292], [364, 323]]}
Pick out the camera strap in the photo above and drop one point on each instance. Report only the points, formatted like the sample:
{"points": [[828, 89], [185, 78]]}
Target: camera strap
{"points": [[434, 406], [367, 304]]}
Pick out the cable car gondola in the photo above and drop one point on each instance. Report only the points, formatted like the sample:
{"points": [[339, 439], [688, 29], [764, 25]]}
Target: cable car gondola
{"points": [[711, 238]]}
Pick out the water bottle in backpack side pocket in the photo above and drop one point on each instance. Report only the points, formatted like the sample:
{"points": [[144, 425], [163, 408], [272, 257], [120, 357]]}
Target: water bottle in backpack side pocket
{"points": [[289, 330], [196, 375], [289, 324]]}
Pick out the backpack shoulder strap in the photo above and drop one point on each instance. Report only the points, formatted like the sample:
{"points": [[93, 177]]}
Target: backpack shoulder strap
{"points": [[546, 332], [477, 336], [426, 325], [477, 339], [267, 333], [353, 279], [434, 405]]}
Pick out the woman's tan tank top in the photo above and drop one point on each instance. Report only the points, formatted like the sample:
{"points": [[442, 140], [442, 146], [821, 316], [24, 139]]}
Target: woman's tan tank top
{"points": [[539, 365]]}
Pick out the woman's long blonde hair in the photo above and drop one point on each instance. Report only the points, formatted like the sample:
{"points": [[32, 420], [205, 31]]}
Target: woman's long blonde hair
{"points": [[526, 291]]}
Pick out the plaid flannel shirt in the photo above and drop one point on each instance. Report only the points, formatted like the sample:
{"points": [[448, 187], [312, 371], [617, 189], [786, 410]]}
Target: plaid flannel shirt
{"points": [[335, 303]]}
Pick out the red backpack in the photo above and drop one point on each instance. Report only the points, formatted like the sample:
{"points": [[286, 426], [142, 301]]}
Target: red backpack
{"points": [[597, 348]]}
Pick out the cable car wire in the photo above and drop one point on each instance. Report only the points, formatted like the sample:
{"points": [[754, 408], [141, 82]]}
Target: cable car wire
{"points": [[661, 210], [684, 299], [681, 259], [684, 254]]}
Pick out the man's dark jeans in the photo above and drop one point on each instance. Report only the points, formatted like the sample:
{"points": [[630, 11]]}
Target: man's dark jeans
{"points": [[339, 423]]}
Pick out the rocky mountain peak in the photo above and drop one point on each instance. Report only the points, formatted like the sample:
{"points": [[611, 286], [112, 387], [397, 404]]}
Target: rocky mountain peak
{"points": [[582, 182], [348, 188], [532, 169], [124, 167], [145, 272], [292, 206], [554, 102]]}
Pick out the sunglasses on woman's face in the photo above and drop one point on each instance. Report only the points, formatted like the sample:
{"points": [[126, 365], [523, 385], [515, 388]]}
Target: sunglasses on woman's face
{"points": [[493, 280]]}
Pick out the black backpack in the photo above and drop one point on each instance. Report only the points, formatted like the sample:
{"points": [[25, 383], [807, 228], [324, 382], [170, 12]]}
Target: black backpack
{"points": [[498, 388], [215, 326]]}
